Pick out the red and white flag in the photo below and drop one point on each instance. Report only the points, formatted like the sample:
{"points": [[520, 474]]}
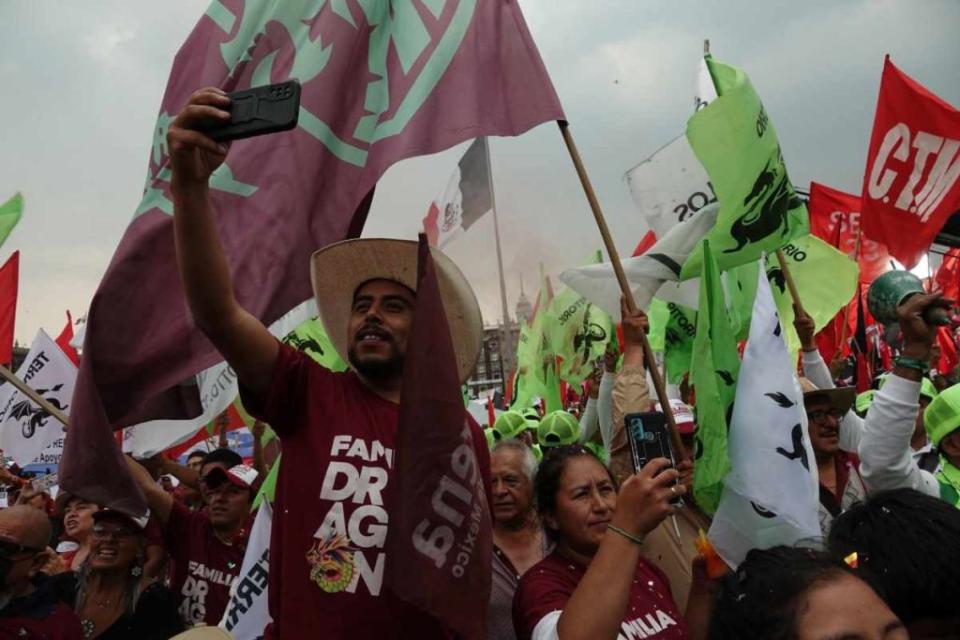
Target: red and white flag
{"points": [[835, 218], [9, 281], [910, 185], [465, 199]]}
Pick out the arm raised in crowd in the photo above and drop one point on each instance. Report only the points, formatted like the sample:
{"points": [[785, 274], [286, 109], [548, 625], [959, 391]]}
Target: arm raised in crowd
{"points": [[242, 339], [885, 455], [605, 398], [159, 501], [816, 370], [630, 393]]}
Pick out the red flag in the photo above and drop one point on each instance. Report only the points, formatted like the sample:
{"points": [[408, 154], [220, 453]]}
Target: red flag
{"points": [[948, 352], [910, 184], [9, 281], [440, 539], [947, 278], [63, 341], [400, 80], [835, 218], [491, 414], [648, 240]]}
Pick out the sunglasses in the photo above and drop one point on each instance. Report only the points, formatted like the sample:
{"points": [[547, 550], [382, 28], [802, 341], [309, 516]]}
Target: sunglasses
{"points": [[820, 417]]}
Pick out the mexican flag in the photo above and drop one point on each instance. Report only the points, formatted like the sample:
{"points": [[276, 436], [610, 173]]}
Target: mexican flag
{"points": [[467, 196], [735, 141]]}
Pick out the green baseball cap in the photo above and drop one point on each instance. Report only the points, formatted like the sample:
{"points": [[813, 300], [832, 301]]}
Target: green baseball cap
{"points": [[491, 436], [942, 416], [599, 451], [558, 428], [509, 424], [863, 401]]}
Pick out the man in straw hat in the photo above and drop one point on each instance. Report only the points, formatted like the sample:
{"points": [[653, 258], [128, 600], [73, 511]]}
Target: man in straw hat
{"points": [[338, 431]]}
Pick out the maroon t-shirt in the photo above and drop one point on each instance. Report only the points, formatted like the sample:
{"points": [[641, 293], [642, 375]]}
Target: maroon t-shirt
{"points": [[60, 623], [548, 585], [327, 555], [203, 567]]}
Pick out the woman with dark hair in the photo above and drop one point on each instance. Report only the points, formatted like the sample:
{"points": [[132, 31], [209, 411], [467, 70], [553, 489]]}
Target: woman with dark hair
{"points": [[595, 584], [788, 593], [112, 596], [908, 544]]}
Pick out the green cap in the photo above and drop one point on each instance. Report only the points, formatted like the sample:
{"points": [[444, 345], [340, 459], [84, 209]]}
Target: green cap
{"points": [[509, 424], [558, 428], [942, 416], [599, 451], [532, 416], [491, 437], [863, 401]]}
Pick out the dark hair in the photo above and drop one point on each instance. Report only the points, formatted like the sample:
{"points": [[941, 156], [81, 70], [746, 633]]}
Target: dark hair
{"points": [[228, 457], [908, 544], [760, 599], [547, 482], [197, 453]]}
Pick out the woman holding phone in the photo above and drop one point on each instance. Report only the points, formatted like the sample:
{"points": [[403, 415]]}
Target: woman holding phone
{"points": [[595, 584]]}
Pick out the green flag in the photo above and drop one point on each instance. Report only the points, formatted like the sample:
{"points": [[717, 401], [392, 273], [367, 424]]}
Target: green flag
{"points": [[735, 141], [672, 330], [311, 338], [826, 280], [713, 372], [741, 292], [10, 212], [269, 487], [579, 332], [537, 371]]}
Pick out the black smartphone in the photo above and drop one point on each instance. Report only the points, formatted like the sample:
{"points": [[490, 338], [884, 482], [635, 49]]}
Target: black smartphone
{"points": [[649, 438], [260, 110]]}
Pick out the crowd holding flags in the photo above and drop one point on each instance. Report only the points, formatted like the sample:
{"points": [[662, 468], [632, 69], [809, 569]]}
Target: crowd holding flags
{"points": [[731, 254]]}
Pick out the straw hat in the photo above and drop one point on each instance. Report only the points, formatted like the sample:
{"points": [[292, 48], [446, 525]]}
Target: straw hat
{"points": [[840, 398], [338, 270]]}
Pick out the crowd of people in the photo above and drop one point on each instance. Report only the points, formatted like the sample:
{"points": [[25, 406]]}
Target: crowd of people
{"points": [[584, 544]]}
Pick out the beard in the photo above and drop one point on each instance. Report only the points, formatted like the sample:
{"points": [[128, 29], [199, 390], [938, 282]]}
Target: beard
{"points": [[376, 368]]}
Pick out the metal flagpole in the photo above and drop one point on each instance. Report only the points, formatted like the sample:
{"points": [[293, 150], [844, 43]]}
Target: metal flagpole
{"points": [[506, 341]]}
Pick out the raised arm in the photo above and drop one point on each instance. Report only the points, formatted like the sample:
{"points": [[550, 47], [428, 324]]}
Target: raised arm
{"points": [[242, 339], [159, 501], [630, 393]]}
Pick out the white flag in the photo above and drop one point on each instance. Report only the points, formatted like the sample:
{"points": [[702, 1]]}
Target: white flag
{"points": [[706, 91], [655, 273], [247, 614], [670, 186], [218, 388], [770, 495], [26, 429]]}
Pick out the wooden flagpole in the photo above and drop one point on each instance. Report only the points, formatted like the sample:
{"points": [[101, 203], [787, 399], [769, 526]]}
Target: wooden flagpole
{"points": [[12, 378], [790, 283], [846, 308], [614, 255]]}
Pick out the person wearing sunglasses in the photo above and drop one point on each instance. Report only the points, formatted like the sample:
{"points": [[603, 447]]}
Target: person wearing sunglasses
{"points": [[30, 605], [113, 596], [206, 547]]}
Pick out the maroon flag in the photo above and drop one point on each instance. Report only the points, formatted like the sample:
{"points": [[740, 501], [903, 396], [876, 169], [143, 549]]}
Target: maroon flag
{"points": [[381, 81], [9, 283], [440, 541]]}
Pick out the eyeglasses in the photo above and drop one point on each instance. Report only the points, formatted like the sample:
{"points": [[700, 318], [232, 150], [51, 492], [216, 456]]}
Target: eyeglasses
{"points": [[820, 417], [101, 534], [10, 549]]}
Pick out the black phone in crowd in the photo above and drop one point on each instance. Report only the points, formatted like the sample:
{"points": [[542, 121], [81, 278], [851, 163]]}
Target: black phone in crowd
{"points": [[260, 110], [649, 438]]}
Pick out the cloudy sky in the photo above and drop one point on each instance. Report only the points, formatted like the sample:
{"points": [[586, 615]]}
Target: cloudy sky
{"points": [[83, 80]]}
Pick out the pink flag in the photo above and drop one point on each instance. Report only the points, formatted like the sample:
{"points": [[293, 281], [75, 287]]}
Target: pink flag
{"points": [[381, 81]]}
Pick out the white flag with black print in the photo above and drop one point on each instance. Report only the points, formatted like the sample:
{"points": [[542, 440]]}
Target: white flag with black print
{"points": [[247, 614], [465, 199], [770, 495], [26, 429]]}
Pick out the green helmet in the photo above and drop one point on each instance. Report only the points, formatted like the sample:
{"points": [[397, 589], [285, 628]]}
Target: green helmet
{"points": [[599, 451], [509, 424], [942, 416], [558, 428], [491, 437]]}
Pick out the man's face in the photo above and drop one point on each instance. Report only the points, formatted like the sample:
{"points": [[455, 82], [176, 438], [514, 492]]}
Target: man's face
{"points": [[378, 329], [950, 447], [511, 488], [227, 504], [195, 462], [824, 427]]}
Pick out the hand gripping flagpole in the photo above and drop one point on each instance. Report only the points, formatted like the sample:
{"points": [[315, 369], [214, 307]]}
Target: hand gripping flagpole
{"points": [[790, 283], [614, 256], [33, 395]]}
